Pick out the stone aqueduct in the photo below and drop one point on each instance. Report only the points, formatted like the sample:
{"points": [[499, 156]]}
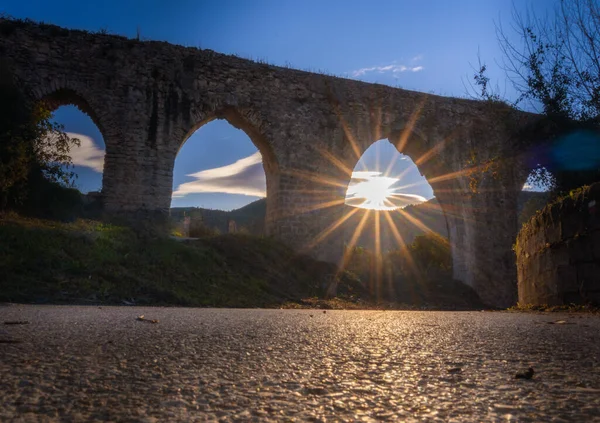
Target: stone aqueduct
{"points": [[147, 98]]}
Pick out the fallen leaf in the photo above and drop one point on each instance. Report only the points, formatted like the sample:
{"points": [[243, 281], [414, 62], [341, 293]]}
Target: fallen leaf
{"points": [[143, 319]]}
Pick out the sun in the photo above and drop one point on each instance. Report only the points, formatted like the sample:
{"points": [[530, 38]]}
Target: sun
{"points": [[370, 191], [373, 191]]}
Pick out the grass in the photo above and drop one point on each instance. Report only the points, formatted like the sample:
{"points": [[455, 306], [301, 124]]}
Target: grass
{"points": [[91, 262]]}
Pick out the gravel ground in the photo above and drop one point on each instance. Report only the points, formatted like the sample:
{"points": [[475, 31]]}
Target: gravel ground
{"points": [[75, 363]]}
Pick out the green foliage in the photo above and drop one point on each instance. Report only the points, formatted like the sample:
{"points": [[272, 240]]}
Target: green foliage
{"points": [[360, 262], [87, 261], [198, 229], [432, 251], [418, 274], [428, 255], [34, 151]]}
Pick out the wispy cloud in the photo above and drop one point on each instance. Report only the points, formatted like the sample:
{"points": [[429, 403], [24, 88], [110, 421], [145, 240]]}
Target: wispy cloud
{"points": [[87, 154], [246, 176], [393, 68], [364, 174]]}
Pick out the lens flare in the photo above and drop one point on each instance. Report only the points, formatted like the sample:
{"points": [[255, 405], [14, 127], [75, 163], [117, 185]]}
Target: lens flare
{"points": [[373, 191]]}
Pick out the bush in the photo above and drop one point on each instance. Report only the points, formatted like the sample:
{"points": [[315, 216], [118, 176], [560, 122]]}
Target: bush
{"points": [[51, 200], [420, 274], [34, 154], [198, 229], [427, 257]]}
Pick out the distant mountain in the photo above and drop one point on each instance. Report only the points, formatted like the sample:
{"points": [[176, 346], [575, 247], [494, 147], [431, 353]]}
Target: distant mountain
{"points": [[409, 223], [251, 217]]}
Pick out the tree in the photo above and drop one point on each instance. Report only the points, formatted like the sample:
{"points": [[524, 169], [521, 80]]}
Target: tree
{"points": [[555, 69], [557, 65], [34, 151]]}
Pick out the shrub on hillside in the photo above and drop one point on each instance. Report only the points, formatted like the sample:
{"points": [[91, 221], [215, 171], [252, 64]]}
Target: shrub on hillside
{"points": [[411, 274], [198, 229]]}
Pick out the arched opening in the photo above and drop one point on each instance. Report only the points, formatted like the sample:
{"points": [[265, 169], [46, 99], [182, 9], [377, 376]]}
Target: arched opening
{"points": [[397, 236], [71, 111], [385, 180], [51, 193], [219, 182]]}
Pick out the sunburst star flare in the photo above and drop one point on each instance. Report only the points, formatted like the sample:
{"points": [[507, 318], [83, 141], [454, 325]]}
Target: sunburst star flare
{"points": [[374, 191]]}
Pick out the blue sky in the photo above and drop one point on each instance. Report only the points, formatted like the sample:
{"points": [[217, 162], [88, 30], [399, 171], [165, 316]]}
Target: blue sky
{"points": [[426, 45]]}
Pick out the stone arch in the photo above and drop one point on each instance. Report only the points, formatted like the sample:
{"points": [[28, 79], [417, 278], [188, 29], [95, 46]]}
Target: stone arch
{"points": [[66, 97], [56, 94], [244, 121], [247, 122]]}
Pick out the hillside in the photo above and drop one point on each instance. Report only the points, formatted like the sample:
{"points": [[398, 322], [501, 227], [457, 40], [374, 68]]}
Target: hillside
{"points": [[89, 262], [250, 217], [86, 262]]}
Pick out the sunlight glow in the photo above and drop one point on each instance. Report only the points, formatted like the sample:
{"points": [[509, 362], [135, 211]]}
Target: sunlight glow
{"points": [[373, 191]]}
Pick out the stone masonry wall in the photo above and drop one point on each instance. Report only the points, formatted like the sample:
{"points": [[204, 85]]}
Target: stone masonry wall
{"points": [[558, 252], [147, 98]]}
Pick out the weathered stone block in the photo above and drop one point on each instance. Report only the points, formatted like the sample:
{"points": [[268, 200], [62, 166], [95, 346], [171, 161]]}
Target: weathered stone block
{"points": [[580, 249], [596, 244], [588, 276], [559, 254], [552, 233], [571, 225], [567, 278]]}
